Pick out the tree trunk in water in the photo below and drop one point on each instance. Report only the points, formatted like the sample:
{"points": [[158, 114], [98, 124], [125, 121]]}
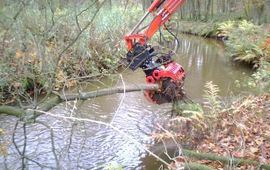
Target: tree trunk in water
{"points": [[56, 99]]}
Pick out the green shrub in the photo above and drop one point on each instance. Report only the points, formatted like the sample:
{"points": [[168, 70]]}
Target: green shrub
{"points": [[260, 80], [244, 42], [36, 42], [225, 28]]}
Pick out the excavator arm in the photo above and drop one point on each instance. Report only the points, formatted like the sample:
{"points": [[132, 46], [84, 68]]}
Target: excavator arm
{"points": [[161, 70], [163, 15]]}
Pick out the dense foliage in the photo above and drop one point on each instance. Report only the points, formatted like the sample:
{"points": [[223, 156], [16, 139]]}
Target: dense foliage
{"points": [[45, 45]]}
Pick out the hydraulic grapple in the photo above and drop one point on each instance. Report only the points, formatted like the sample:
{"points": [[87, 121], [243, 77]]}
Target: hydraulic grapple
{"points": [[158, 68]]}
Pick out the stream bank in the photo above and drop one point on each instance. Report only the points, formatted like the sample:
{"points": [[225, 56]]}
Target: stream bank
{"points": [[245, 42]]}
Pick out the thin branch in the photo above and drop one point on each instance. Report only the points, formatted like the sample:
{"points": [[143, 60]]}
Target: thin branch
{"points": [[13, 138], [22, 154], [122, 99], [83, 77], [39, 164], [59, 98], [138, 144], [73, 42], [82, 145], [87, 8], [24, 146], [79, 34], [14, 18], [70, 139], [52, 17], [52, 143], [179, 147], [108, 91]]}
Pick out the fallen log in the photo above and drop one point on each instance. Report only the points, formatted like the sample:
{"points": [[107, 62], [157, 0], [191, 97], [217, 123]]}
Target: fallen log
{"points": [[223, 159], [168, 147], [56, 99], [109, 91], [12, 110]]}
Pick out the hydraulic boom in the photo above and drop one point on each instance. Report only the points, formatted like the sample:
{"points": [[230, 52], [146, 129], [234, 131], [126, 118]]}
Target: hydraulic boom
{"points": [[158, 69]]}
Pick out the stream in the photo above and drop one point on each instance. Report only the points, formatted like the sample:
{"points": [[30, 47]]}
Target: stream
{"points": [[56, 142]]}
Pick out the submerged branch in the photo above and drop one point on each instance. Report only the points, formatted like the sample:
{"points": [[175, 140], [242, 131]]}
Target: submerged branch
{"points": [[59, 98], [108, 91]]}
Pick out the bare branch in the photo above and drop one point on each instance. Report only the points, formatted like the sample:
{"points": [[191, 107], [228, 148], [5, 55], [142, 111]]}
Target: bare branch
{"points": [[109, 91], [52, 143], [138, 144], [73, 42], [78, 35], [24, 146], [122, 99], [58, 98]]}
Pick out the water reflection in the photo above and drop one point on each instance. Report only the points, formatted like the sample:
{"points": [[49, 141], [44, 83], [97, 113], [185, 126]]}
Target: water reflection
{"points": [[205, 60]]}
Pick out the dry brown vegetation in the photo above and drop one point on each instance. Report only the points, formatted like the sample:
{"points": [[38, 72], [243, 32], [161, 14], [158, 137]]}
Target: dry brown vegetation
{"points": [[239, 131]]}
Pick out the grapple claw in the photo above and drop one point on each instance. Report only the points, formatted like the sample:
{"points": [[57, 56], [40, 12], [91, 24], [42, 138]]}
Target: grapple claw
{"points": [[162, 70], [171, 82]]}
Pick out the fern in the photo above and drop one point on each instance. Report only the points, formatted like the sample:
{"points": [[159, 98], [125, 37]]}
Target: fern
{"points": [[188, 110], [225, 28], [246, 42], [212, 99]]}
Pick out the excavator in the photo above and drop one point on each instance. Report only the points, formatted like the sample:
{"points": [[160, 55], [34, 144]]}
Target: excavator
{"points": [[159, 68]]}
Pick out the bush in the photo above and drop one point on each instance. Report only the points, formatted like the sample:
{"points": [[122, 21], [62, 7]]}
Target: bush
{"points": [[244, 42], [46, 42], [260, 80]]}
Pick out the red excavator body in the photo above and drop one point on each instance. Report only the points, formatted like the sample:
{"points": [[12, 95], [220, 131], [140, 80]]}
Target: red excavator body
{"points": [[158, 69]]}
